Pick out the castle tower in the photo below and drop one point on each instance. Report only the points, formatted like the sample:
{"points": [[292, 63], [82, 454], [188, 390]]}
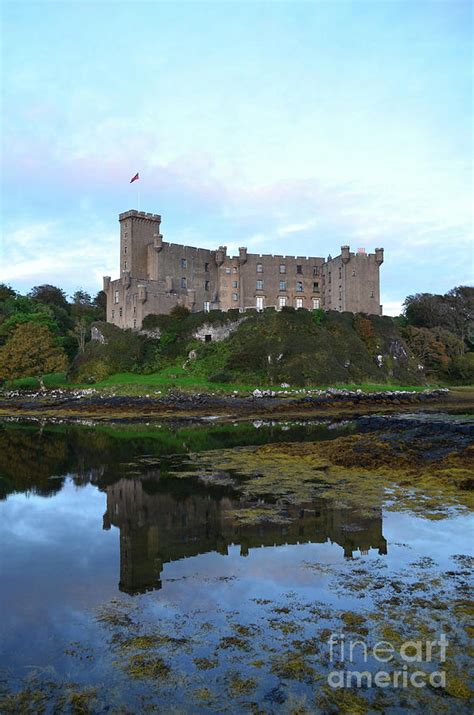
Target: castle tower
{"points": [[137, 230]]}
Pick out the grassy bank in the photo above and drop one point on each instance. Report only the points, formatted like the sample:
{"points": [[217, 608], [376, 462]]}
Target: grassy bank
{"points": [[171, 378]]}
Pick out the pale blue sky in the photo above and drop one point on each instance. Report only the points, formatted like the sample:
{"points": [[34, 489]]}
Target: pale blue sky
{"points": [[286, 127]]}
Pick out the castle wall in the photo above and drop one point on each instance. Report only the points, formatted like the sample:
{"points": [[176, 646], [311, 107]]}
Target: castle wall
{"points": [[157, 275], [187, 272], [272, 279]]}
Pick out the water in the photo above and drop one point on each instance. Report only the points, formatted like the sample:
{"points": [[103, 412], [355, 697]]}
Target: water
{"points": [[138, 574]]}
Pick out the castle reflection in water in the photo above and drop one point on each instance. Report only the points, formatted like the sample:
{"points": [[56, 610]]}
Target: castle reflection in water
{"points": [[157, 527]]}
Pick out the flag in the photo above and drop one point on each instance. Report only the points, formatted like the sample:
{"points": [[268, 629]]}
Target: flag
{"points": [[135, 178]]}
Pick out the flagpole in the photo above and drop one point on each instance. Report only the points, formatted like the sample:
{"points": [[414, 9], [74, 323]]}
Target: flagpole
{"points": [[138, 194]]}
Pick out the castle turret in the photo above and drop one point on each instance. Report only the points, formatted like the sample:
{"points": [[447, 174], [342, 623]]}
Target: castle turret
{"points": [[106, 283], [157, 241], [242, 256], [379, 256], [221, 254], [345, 254]]}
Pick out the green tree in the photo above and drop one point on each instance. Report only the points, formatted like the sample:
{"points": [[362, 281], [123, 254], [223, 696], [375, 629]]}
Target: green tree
{"points": [[81, 297], [50, 295], [453, 311], [20, 309], [100, 306], [31, 351], [6, 292]]}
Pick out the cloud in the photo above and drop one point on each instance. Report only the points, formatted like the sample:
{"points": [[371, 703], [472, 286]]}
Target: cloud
{"points": [[392, 307], [60, 254]]}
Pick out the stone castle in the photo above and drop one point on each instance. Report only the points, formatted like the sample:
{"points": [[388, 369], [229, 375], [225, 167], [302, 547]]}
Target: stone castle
{"points": [[155, 276]]}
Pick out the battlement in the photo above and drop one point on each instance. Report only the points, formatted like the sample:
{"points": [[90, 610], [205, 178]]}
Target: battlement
{"points": [[133, 213]]}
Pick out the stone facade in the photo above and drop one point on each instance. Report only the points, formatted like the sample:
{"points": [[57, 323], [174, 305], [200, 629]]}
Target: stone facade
{"points": [[156, 276]]}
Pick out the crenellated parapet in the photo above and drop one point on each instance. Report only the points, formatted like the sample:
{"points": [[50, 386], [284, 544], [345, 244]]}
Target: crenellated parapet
{"points": [[132, 213]]}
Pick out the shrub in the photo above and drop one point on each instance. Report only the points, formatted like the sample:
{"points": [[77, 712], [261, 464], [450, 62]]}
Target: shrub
{"points": [[462, 369], [180, 312], [93, 371], [221, 377], [122, 351]]}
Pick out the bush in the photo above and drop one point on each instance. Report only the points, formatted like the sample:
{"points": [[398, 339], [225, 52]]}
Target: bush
{"points": [[462, 369], [180, 312], [93, 371], [122, 351], [221, 377]]}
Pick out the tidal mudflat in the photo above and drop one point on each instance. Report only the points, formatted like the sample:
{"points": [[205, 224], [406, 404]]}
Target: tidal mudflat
{"points": [[237, 567]]}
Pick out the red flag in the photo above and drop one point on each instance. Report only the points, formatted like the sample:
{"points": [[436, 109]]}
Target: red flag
{"points": [[135, 178]]}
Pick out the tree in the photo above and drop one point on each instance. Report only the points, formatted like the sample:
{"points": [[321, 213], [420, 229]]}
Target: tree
{"points": [[100, 305], [80, 332], [81, 297], [6, 292], [50, 295], [428, 348], [461, 300], [426, 310], [20, 309], [453, 311], [31, 352]]}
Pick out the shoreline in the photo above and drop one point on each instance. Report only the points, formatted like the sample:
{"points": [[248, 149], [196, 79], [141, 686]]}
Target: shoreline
{"points": [[89, 404]]}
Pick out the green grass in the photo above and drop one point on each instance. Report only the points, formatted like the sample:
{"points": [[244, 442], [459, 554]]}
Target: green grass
{"points": [[175, 378], [55, 379]]}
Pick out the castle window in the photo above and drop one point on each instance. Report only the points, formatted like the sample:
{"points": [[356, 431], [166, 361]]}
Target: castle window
{"points": [[315, 270], [282, 268], [299, 269], [227, 270], [372, 294], [329, 277], [125, 266], [206, 306], [259, 302], [282, 285], [134, 323], [316, 303], [235, 296], [183, 282], [206, 267], [259, 267], [282, 301], [299, 286], [134, 310], [116, 296], [315, 286], [113, 314], [259, 285], [235, 269], [299, 302], [340, 272], [353, 273], [235, 284], [208, 338], [121, 312], [125, 249], [206, 285], [184, 263]]}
